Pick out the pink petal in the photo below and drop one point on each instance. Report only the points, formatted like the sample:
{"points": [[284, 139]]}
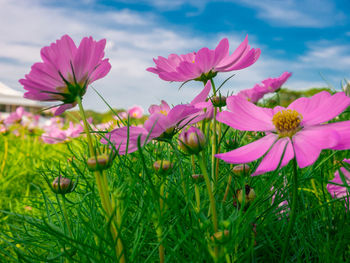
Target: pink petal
{"points": [[343, 129], [221, 51], [246, 116], [321, 107], [309, 142], [273, 157], [202, 96], [249, 152]]}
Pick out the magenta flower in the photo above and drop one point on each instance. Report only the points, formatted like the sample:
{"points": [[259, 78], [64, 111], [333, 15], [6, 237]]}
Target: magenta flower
{"points": [[66, 71], [135, 112], [15, 117], [253, 94], [268, 86], [274, 84], [205, 63], [298, 129], [337, 190]]}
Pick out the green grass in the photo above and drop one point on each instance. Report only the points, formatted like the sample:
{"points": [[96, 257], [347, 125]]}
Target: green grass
{"points": [[321, 232]]}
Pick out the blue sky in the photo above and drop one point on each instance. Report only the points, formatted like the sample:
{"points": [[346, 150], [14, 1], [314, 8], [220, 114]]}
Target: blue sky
{"points": [[310, 38]]}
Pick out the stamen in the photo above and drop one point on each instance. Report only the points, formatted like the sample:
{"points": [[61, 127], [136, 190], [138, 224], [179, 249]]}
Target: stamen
{"points": [[287, 122]]}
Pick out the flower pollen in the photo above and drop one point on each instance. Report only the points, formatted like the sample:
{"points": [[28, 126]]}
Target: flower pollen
{"points": [[287, 122]]}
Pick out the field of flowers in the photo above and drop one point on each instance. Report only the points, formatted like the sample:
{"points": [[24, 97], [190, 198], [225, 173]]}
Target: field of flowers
{"points": [[238, 178]]}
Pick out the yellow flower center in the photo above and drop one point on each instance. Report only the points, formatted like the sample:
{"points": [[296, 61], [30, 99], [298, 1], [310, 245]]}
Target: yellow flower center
{"points": [[163, 112], [287, 122]]}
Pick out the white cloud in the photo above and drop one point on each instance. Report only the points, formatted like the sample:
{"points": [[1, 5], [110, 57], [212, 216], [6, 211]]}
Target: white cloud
{"points": [[132, 41]]}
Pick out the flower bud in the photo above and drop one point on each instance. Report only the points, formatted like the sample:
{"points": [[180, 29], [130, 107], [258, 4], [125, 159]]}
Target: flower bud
{"points": [[192, 141], [241, 169], [162, 166], [197, 178], [346, 88], [62, 185], [100, 162], [249, 195], [219, 101]]}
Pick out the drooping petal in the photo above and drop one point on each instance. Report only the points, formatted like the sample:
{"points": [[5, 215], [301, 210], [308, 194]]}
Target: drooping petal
{"points": [[273, 157], [249, 152], [245, 116], [203, 95], [309, 142]]}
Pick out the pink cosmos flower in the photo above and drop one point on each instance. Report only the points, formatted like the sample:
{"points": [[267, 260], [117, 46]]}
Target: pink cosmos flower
{"points": [[274, 84], [298, 130], [338, 191], [268, 86], [66, 71], [135, 112], [15, 117], [253, 94], [160, 125], [205, 63]]}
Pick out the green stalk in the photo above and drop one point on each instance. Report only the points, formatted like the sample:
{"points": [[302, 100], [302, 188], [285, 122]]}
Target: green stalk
{"points": [[5, 156], [102, 187], [213, 145], [211, 198], [65, 215], [293, 210]]}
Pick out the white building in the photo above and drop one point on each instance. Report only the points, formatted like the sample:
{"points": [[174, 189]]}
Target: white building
{"points": [[10, 99]]}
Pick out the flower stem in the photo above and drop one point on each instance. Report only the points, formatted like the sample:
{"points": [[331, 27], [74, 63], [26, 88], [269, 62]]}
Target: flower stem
{"points": [[213, 145], [102, 186], [5, 156], [65, 215], [293, 210], [211, 198]]}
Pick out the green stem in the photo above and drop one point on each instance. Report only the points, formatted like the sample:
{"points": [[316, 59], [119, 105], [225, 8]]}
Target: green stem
{"points": [[212, 200], [293, 210], [213, 145], [102, 187], [65, 215], [5, 156], [210, 192]]}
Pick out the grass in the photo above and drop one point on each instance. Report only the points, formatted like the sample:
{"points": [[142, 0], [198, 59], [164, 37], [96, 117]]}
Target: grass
{"points": [[33, 227]]}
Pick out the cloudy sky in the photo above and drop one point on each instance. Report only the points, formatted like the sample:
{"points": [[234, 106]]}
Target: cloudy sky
{"points": [[310, 38]]}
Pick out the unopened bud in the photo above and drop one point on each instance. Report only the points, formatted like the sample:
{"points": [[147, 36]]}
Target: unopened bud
{"points": [[249, 195], [192, 141], [241, 169], [162, 166], [197, 178], [62, 185], [100, 162], [219, 101]]}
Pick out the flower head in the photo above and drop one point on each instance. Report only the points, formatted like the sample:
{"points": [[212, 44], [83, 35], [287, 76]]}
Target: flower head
{"points": [[66, 71], [206, 63], [267, 86], [296, 131], [135, 112]]}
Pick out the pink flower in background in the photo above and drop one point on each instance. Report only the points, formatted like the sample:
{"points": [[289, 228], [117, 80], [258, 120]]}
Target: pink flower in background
{"points": [[274, 84], [253, 94], [135, 112], [163, 123], [74, 131], [298, 129], [160, 125], [205, 63], [15, 117], [122, 115], [66, 71], [338, 191], [268, 86]]}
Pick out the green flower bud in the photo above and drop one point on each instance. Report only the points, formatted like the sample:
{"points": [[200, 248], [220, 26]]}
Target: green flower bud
{"points": [[219, 101], [162, 166], [241, 169], [62, 185], [192, 141], [249, 195]]}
